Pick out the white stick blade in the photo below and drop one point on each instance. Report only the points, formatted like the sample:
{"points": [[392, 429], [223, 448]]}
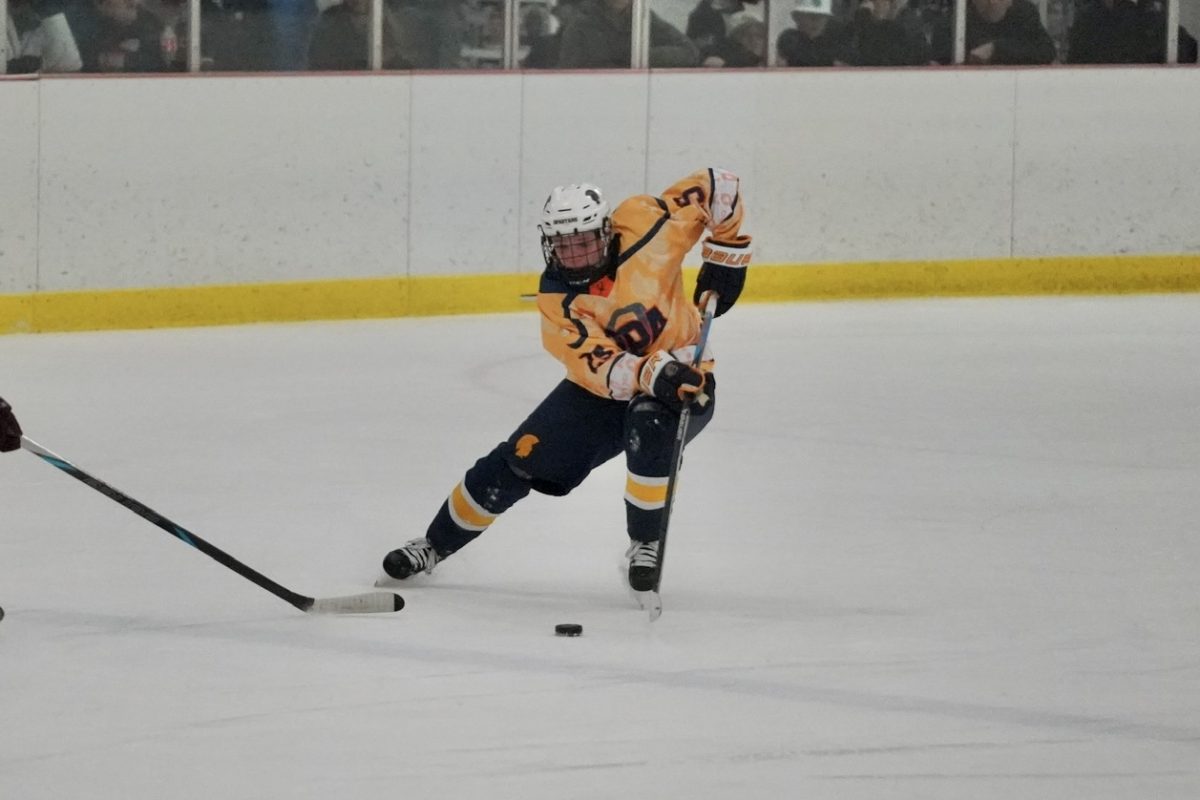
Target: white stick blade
{"points": [[369, 603]]}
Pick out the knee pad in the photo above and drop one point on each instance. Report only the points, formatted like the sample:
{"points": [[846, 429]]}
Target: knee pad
{"points": [[539, 485], [649, 433], [494, 484]]}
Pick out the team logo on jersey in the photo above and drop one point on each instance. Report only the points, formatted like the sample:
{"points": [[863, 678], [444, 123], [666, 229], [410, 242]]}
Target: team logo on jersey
{"points": [[525, 445], [634, 328], [598, 357]]}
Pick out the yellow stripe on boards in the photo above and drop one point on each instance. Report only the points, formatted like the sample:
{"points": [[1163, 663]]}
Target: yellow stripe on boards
{"points": [[360, 298], [981, 278], [363, 298]]}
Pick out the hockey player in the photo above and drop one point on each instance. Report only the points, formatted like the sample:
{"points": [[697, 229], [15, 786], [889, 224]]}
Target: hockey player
{"points": [[613, 311], [10, 430]]}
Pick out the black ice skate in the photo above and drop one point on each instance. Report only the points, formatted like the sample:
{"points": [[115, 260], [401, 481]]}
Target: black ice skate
{"points": [[416, 556], [643, 565]]}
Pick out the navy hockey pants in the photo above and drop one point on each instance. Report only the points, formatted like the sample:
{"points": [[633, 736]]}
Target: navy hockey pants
{"points": [[568, 435]]}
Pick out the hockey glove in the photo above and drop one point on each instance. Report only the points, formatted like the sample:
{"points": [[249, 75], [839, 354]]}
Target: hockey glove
{"points": [[670, 380], [10, 431], [723, 272]]}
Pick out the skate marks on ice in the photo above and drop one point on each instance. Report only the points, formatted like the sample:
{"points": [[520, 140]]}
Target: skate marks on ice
{"points": [[611, 624], [602, 660]]}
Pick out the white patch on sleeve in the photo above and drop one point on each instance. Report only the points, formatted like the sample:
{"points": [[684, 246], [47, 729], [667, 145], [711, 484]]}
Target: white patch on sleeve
{"points": [[687, 353], [725, 192], [623, 377]]}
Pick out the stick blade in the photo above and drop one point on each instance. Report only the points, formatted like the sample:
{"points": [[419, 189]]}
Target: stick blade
{"points": [[369, 603]]}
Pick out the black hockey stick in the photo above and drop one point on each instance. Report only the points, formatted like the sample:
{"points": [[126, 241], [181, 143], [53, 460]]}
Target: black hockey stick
{"points": [[369, 603], [685, 417]]}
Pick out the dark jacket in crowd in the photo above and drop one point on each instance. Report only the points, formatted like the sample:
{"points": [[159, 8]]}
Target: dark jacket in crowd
{"points": [[140, 42], [734, 54], [1127, 33], [597, 38], [706, 25], [835, 44], [339, 42], [1019, 37], [896, 42], [543, 52]]}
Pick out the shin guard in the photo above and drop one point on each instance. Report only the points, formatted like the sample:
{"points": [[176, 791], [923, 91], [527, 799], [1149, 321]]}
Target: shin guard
{"points": [[487, 490]]}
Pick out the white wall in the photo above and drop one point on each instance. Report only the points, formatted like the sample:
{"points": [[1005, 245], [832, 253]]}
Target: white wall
{"points": [[163, 182], [187, 180], [1106, 161], [18, 185]]}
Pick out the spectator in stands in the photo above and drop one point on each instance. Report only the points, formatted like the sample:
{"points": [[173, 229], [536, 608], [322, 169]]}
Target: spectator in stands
{"points": [[173, 16], [599, 37], [887, 33], [1125, 32], [545, 33], [119, 36], [710, 22], [241, 35], [340, 39], [274, 32], [433, 33], [999, 32], [818, 40], [40, 42], [745, 46]]}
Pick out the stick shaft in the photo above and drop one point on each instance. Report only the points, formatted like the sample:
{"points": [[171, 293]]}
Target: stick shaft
{"points": [[179, 532], [685, 417]]}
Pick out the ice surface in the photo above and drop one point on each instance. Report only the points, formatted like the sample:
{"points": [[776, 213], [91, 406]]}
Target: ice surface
{"points": [[926, 549]]}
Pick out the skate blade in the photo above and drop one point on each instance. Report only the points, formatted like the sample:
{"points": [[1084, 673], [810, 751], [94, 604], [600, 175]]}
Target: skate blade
{"points": [[386, 581], [650, 602]]}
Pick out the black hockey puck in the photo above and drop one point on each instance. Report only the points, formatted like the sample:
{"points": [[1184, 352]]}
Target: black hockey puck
{"points": [[568, 629], [1, 612]]}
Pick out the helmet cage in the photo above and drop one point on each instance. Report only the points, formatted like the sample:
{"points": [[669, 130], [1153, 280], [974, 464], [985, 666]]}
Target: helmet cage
{"points": [[579, 258], [576, 234]]}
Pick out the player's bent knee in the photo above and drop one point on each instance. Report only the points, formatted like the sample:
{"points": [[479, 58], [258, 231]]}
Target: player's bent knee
{"points": [[494, 484], [650, 428], [555, 488], [648, 421]]}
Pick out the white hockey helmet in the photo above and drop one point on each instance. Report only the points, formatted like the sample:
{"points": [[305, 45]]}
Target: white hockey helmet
{"points": [[576, 233]]}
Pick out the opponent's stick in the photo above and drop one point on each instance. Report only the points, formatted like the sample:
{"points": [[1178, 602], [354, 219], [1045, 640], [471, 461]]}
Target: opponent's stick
{"points": [[685, 417], [368, 603]]}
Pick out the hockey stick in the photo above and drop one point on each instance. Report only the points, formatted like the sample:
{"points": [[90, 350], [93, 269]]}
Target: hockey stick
{"points": [[369, 603], [685, 417]]}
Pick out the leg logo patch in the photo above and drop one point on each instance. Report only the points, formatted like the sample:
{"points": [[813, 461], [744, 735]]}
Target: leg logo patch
{"points": [[525, 445]]}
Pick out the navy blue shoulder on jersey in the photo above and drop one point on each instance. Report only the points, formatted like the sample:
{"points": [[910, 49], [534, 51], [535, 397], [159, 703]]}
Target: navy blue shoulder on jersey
{"points": [[551, 285]]}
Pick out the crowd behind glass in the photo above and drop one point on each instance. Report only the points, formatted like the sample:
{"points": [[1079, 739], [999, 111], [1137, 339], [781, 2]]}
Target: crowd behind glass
{"points": [[325, 35]]}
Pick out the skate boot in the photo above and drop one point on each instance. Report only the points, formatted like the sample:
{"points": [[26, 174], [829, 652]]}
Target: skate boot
{"points": [[416, 556], [643, 565]]}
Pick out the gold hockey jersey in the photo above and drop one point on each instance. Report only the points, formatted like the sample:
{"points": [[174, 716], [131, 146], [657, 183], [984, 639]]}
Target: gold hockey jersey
{"points": [[601, 336]]}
